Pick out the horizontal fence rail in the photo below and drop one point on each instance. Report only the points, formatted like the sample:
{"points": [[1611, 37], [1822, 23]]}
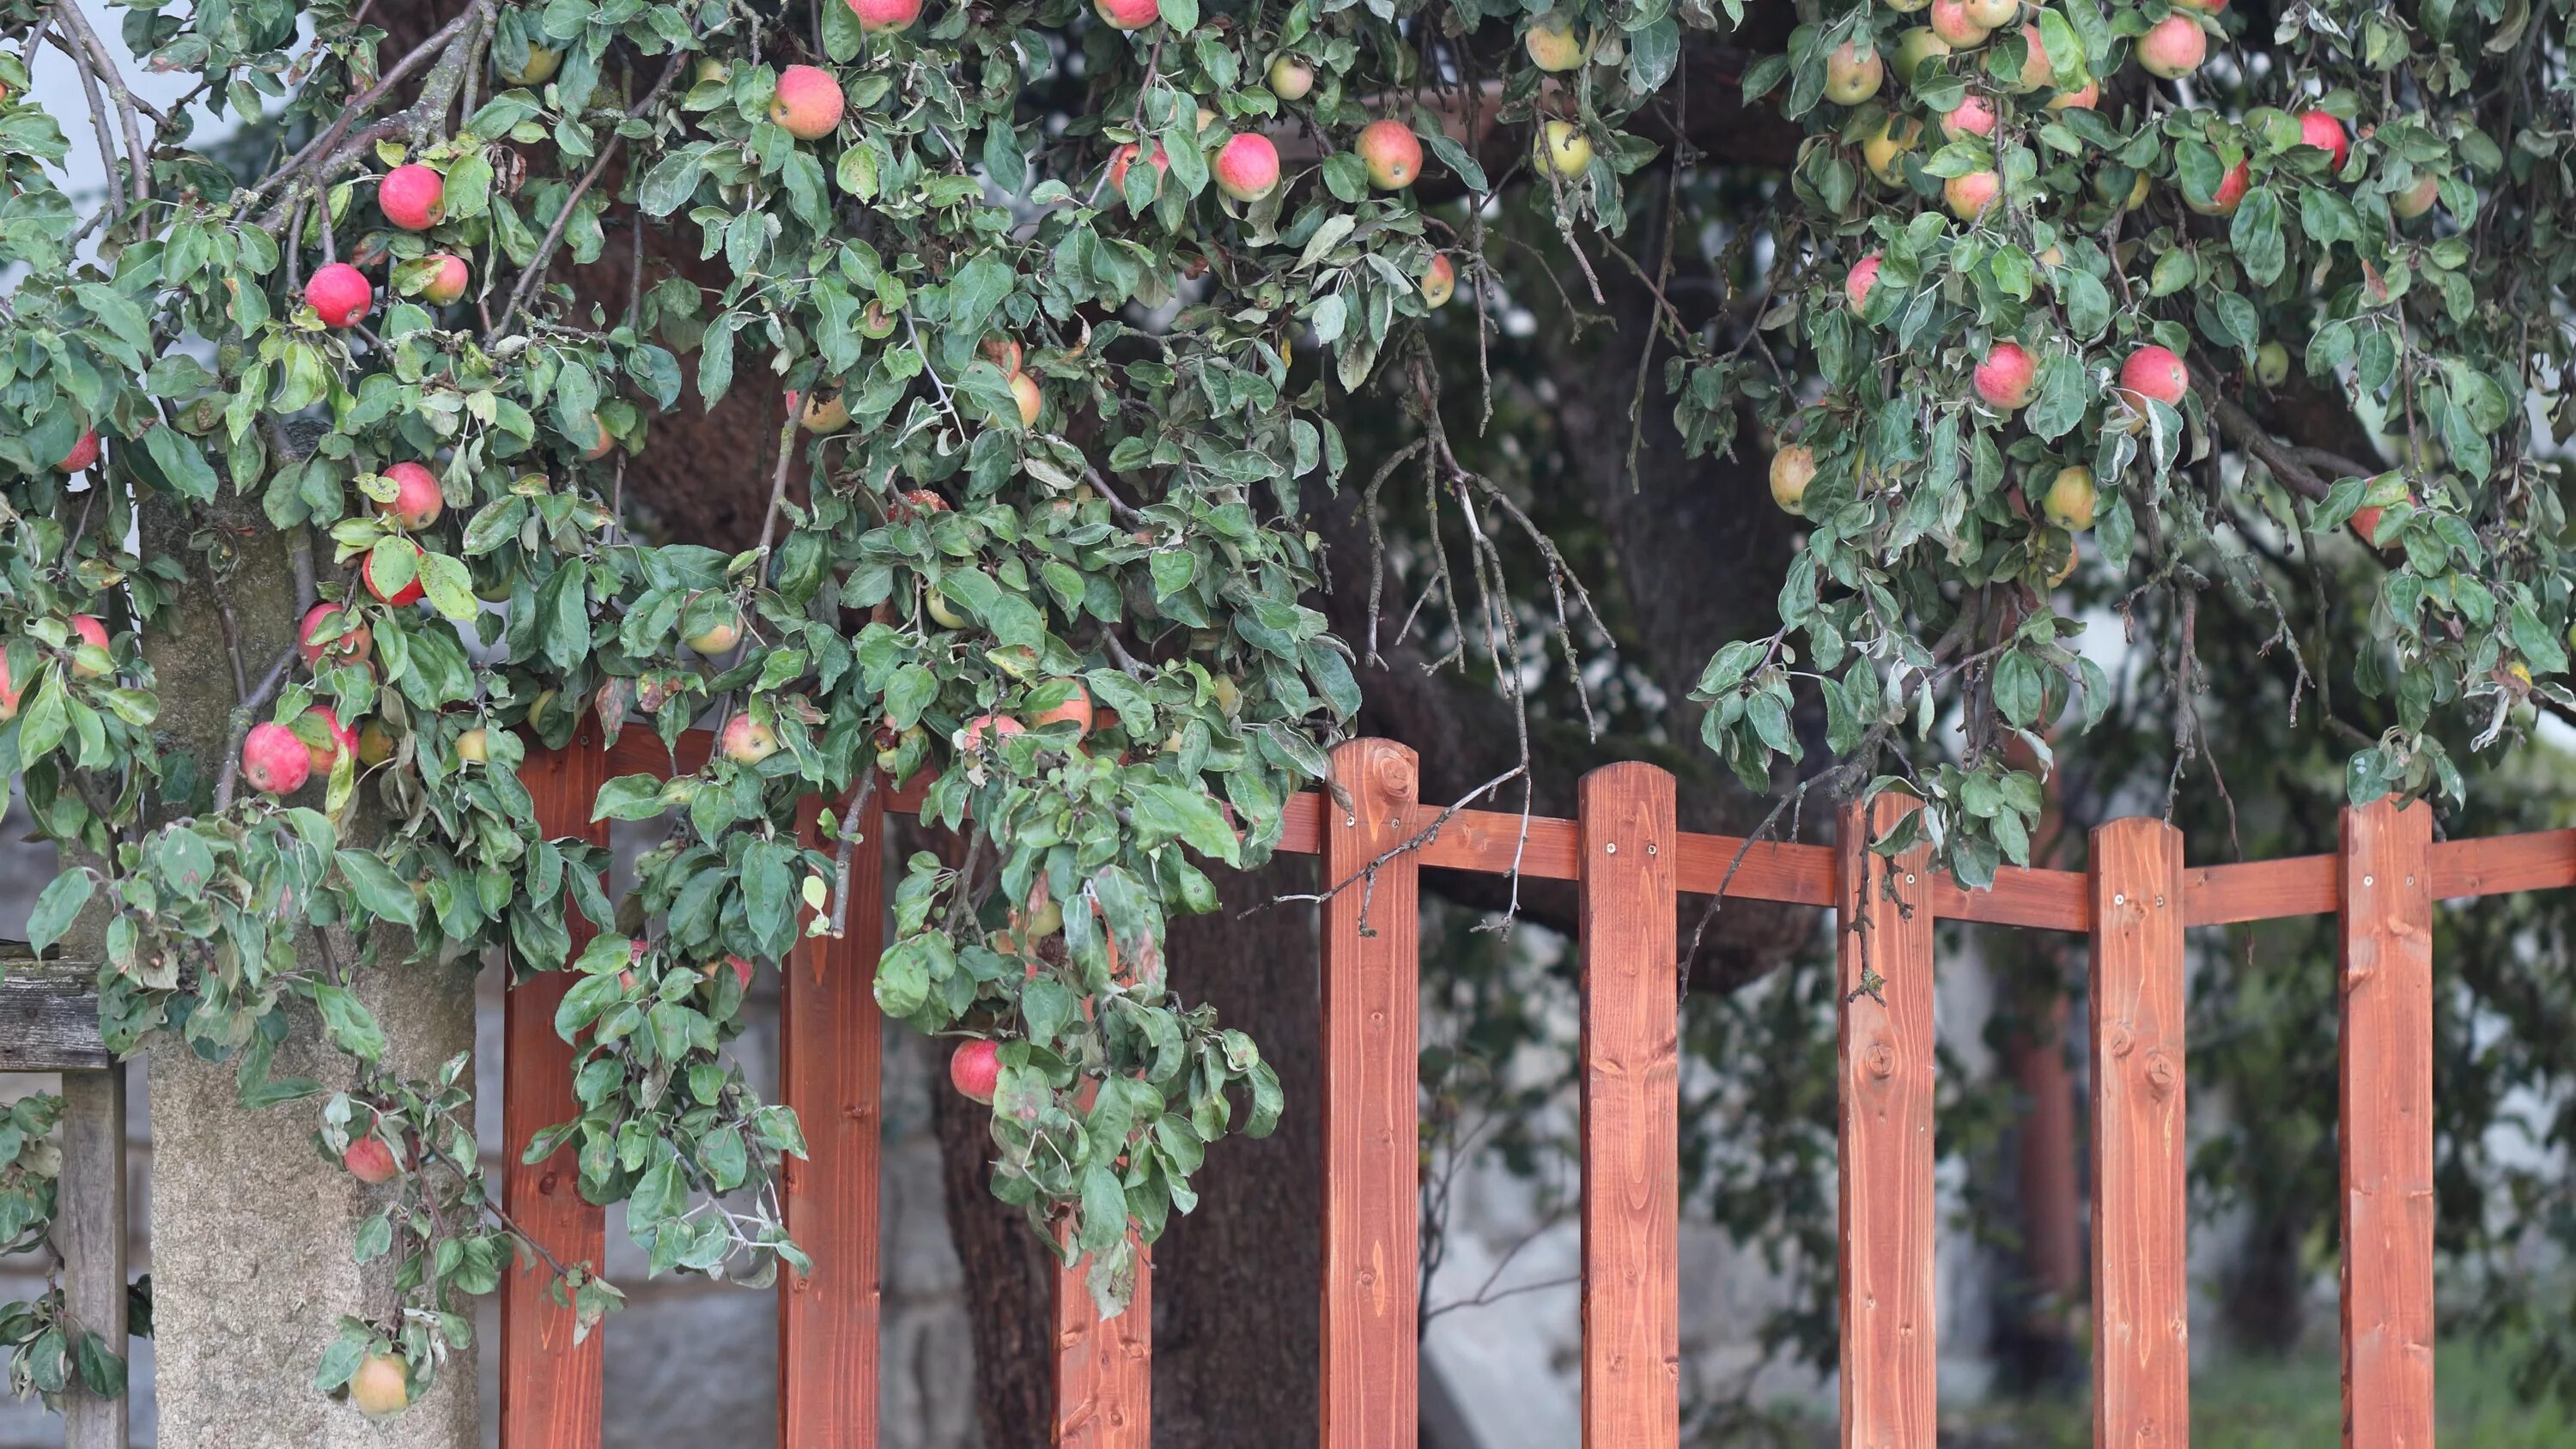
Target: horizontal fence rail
{"points": [[1631, 867]]}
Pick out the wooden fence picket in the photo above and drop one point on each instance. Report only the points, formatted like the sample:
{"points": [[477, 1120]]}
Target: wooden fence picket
{"points": [[2141, 1303], [550, 1386], [1631, 1111], [2386, 1126], [1372, 1113], [828, 1041], [1889, 1389]]}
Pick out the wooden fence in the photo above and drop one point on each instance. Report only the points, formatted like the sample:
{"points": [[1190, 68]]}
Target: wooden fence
{"points": [[1631, 866]]}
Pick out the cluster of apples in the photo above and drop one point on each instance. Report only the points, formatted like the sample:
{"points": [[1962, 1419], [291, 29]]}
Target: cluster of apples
{"points": [[87, 630], [413, 197]]}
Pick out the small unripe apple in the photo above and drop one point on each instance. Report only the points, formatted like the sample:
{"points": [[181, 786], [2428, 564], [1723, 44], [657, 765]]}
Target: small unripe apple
{"points": [[1247, 168], [718, 637], [2321, 130], [540, 68], [337, 739], [992, 728], [274, 760], [824, 415], [1792, 469], [380, 1388], [349, 641], [2036, 69], [84, 453], [1973, 116], [1883, 149], [1076, 710], [338, 294], [1439, 281], [1853, 72], [2173, 47], [807, 105], [746, 741], [1291, 79], [975, 1069], [417, 501], [2271, 364], [885, 15], [413, 197], [1914, 47], [1552, 44], [447, 283], [369, 1160], [1128, 14], [409, 593], [2155, 372], [1864, 275], [2006, 376], [2070, 499], [1970, 193], [1956, 27], [1031, 399], [1562, 147], [2416, 200], [1392, 152], [474, 746]]}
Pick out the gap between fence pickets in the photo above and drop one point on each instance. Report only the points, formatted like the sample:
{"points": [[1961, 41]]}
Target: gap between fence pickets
{"points": [[1494, 842]]}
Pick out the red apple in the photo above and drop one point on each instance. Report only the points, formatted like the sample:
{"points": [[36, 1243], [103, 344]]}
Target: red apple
{"points": [[2321, 130], [417, 501], [1864, 275], [808, 102], [84, 453], [348, 641], [86, 629], [274, 760], [877, 15], [1127, 14], [975, 1069], [1247, 168], [1439, 281], [412, 197], [338, 739], [2172, 48], [369, 1160], [2004, 379], [746, 741], [339, 294], [2155, 372], [1392, 152], [447, 283], [410, 593]]}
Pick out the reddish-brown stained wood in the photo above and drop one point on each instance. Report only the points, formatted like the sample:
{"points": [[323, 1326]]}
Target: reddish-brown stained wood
{"points": [[2263, 890], [2540, 860], [1104, 1368], [1372, 1038], [2141, 1302], [1631, 1111], [2386, 1134], [549, 1385], [1889, 1393], [828, 1036]]}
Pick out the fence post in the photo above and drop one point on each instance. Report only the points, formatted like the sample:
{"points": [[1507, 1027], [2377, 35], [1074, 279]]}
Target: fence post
{"points": [[550, 1388], [1372, 1111], [1884, 929], [1104, 1368], [2141, 1304], [1631, 1110], [90, 1229], [828, 1070], [2386, 1132]]}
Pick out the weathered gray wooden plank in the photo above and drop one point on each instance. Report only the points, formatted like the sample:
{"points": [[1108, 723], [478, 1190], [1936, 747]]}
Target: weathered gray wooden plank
{"points": [[48, 1014], [90, 1230]]}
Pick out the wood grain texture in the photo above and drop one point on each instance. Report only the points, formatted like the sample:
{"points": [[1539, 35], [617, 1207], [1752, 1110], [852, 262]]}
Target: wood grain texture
{"points": [[1890, 1396], [2141, 1292], [1372, 1111], [550, 1386], [1631, 1111], [90, 1230], [829, 1036], [48, 1013], [2386, 1135], [1104, 1368]]}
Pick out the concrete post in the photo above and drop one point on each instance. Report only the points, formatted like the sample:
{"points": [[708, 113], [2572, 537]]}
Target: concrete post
{"points": [[251, 1227]]}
